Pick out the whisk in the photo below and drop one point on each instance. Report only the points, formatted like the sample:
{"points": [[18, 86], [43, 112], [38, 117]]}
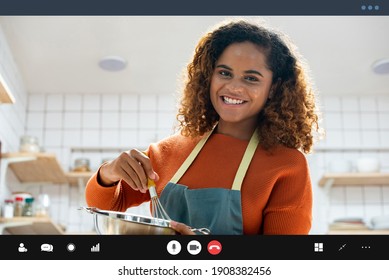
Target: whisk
{"points": [[157, 210]]}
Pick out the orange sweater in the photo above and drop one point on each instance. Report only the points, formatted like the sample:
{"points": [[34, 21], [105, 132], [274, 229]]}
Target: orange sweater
{"points": [[276, 191]]}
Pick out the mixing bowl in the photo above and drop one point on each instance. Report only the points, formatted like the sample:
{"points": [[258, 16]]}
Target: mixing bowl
{"points": [[123, 223]]}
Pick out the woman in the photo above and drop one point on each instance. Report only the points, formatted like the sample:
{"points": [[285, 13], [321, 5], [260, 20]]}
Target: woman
{"points": [[236, 165]]}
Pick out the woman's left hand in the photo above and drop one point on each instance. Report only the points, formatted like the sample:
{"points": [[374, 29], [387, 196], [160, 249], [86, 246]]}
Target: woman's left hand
{"points": [[181, 228]]}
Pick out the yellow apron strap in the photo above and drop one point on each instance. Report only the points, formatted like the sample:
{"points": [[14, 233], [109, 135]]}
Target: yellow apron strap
{"points": [[190, 158], [244, 164], [249, 153]]}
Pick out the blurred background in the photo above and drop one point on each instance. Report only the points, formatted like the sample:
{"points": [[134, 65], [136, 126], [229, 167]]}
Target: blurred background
{"points": [[76, 91]]}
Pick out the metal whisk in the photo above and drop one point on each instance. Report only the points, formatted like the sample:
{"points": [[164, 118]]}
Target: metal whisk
{"points": [[157, 210]]}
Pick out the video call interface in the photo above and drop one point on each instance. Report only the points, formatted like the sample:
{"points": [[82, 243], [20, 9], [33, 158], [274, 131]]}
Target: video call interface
{"points": [[344, 47]]}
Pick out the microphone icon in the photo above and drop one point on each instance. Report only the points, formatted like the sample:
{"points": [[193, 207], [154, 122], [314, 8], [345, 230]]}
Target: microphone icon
{"points": [[173, 247]]}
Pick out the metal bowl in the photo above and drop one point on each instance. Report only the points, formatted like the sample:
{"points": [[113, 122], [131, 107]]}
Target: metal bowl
{"points": [[113, 222]]}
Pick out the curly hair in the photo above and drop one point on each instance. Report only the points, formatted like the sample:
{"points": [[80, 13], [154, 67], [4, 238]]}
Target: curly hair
{"points": [[290, 117]]}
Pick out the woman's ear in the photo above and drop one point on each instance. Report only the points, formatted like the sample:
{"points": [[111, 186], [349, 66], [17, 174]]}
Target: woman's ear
{"points": [[271, 93], [274, 88]]}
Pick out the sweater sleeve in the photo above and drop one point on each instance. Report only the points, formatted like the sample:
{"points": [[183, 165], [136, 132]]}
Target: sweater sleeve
{"points": [[116, 198], [289, 209], [165, 161]]}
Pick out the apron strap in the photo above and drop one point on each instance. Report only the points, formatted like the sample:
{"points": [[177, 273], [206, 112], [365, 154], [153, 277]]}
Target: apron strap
{"points": [[188, 161], [244, 164]]}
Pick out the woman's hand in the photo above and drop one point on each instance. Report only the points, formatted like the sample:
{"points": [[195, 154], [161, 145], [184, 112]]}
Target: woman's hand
{"points": [[133, 166], [181, 228]]}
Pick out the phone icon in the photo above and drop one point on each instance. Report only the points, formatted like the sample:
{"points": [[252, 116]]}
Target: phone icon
{"points": [[214, 247]]}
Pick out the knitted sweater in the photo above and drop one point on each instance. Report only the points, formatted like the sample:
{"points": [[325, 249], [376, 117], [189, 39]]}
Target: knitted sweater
{"points": [[276, 193]]}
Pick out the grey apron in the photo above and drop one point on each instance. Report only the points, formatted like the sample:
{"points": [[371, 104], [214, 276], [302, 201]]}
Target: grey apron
{"points": [[217, 209]]}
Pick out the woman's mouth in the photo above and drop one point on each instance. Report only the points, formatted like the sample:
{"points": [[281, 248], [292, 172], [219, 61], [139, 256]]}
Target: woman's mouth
{"points": [[232, 101]]}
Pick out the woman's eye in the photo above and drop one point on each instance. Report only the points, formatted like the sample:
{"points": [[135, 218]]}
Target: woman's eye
{"points": [[251, 79], [225, 73]]}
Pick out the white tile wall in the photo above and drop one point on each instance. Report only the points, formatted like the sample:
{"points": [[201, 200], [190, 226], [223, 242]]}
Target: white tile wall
{"points": [[12, 116], [100, 121], [355, 127]]}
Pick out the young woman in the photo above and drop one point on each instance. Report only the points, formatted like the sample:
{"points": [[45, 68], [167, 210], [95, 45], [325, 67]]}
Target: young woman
{"points": [[237, 164]]}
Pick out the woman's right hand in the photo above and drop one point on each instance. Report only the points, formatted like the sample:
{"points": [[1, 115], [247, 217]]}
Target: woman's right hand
{"points": [[133, 166]]}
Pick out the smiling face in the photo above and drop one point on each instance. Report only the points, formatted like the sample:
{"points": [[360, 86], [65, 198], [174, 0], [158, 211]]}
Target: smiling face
{"points": [[240, 85]]}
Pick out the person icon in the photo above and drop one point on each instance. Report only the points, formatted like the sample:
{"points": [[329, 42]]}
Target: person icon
{"points": [[21, 248]]}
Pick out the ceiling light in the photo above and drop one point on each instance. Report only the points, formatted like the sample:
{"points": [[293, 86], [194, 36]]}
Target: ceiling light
{"points": [[112, 63], [381, 66]]}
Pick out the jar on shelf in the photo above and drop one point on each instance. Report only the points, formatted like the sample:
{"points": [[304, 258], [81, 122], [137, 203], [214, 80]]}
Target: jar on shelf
{"points": [[28, 208], [81, 165], [42, 205], [29, 144], [18, 206], [8, 208]]}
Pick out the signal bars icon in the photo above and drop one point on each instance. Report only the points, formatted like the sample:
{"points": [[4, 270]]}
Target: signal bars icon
{"points": [[95, 248]]}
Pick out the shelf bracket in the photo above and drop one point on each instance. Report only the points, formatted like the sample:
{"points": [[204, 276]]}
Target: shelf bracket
{"points": [[328, 185], [3, 171]]}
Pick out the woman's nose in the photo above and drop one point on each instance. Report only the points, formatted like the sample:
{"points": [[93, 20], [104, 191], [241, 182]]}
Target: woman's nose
{"points": [[235, 86]]}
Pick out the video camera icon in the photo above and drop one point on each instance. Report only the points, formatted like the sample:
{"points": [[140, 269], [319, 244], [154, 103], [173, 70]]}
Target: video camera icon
{"points": [[194, 247]]}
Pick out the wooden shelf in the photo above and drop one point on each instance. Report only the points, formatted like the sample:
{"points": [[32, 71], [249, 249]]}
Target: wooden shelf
{"points": [[78, 178], [98, 149], [352, 149], [343, 179], [5, 94], [364, 232], [36, 167], [42, 168], [23, 219], [29, 225]]}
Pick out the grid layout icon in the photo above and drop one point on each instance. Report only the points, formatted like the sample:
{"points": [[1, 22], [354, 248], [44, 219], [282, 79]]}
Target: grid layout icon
{"points": [[319, 247]]}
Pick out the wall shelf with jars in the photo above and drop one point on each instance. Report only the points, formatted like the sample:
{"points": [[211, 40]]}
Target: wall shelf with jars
{"points": [[39, 168]]}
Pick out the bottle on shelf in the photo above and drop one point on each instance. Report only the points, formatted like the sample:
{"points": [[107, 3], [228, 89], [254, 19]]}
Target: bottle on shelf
{"points": [[18, 206], [42, 205]]}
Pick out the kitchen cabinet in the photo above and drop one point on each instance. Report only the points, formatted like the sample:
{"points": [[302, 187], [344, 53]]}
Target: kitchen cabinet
{"points": [[343, 179]]}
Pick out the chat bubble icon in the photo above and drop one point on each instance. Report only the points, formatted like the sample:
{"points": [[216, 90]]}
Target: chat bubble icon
{"points": [[47, 247]]}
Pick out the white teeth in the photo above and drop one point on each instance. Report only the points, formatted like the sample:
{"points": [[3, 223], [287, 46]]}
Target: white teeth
{"points": [[229, 100]]}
